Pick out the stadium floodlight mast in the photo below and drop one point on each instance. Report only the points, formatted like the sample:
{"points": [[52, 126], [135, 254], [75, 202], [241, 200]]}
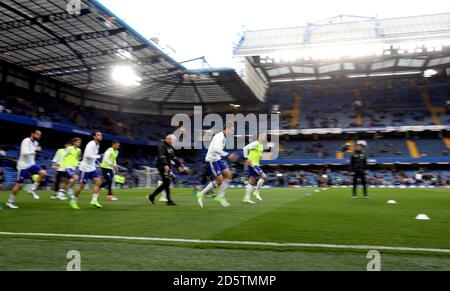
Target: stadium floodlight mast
{"points": [[125, 75]]}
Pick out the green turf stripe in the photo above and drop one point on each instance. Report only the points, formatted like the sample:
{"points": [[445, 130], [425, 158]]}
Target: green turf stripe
{"points": [[221, 242]]}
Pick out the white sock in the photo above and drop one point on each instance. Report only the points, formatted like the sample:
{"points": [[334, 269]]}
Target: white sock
{"points": [[164, 194], [12, 199], [224, 187], [62, 191], [34, 186], [94, 197], [249, 190], [209, 188], [74, 199], [259, 184]]}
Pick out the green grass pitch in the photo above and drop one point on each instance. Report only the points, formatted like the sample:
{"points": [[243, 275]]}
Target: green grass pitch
{"points": [[285, 215]]}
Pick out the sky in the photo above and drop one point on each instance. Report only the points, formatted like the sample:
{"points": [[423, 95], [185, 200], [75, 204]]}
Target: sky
{"points": [[208, 28]]}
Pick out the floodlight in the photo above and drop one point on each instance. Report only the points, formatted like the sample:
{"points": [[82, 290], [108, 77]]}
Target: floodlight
{"points": [[125, 75], [124, 54], [429, 73]]}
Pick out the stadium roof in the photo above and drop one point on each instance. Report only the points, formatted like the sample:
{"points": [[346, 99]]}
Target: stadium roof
{"points": [[83, 50], [361, 47]]}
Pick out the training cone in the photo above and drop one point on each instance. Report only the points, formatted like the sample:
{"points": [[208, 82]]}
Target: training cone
{"points": [[392, 202], [316, 190], [422, 217]]}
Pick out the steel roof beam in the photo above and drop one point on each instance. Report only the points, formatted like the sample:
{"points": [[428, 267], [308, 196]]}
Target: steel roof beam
{"points": [[172, 91], [84, 55], [200, 98], [41, 26], [96, 67], [41, 19], [62, 40]]}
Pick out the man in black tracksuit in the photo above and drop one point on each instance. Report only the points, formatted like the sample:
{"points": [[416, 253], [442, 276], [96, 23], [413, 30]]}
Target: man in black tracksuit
{"points": [[166, 155], [358, 164]]}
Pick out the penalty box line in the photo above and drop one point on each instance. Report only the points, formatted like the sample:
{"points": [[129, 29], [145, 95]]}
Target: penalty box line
{"points": [[221, 242]]}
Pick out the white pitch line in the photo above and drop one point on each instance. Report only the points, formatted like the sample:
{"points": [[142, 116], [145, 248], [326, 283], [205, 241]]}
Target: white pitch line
{"points": [[251, 243]]}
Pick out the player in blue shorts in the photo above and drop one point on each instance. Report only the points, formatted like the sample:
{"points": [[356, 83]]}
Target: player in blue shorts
{"points": [[89, 171], [69, 163], [218, 169], [27, 167], [253, 153]]}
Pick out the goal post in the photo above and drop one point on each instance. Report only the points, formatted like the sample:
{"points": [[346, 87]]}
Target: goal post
{"points": [[148, 177]]}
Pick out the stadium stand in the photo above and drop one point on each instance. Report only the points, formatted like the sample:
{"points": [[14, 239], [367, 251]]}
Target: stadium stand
{"points": [[42, 107], [362, 103], [431, 147]]}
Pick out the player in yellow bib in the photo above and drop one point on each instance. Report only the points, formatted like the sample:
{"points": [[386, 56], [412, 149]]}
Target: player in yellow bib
{"points": [[69, 163], [119, 179], [60, 171], [109, 168], [253, 153]]}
